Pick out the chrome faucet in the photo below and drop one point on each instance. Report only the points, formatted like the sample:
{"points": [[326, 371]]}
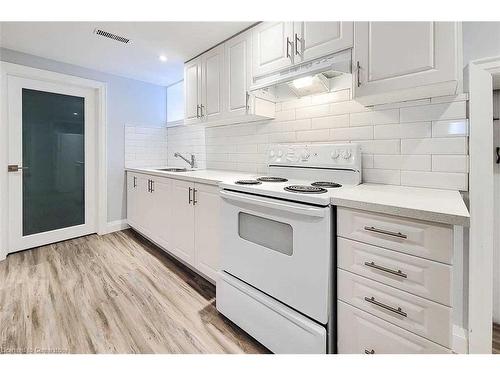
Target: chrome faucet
{"points": [[191, 163]]}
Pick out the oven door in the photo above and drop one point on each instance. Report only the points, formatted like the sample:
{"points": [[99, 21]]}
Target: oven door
{"points": [[281, 248]]}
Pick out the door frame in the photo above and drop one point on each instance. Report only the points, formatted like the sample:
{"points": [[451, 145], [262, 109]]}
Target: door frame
{"points": [[22, 71], [478, 74]]}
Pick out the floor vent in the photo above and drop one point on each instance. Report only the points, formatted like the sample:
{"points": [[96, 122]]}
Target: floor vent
{"points": [[105, 34]]}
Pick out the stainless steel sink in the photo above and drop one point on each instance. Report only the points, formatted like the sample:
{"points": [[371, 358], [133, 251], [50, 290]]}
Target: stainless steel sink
{"points": [[172, 169]]}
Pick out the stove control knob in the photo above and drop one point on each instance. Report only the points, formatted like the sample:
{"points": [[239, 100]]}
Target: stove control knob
{"points": [[272, 154], [280, 153], [335, 155], [305, 155], [347, 154]]}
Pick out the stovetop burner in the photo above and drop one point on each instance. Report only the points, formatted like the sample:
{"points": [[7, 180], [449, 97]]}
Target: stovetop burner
{"points": [[272, 179], [305, 189], [326, 184], [248, 182]]}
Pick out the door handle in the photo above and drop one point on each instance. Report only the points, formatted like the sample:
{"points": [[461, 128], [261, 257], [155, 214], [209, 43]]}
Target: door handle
{"points": [[388, 270], [297, 40], [135, 181], [358, 70], [152, 186], [16, 168], [194, 197], [247, 100], [394, 310], [386, 232], [189, 196], [197, 111], [498, 155], [288, 43], [201, 110], [149, 186]]}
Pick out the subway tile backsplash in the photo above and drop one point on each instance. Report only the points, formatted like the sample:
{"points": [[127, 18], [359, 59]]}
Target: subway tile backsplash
{"points": [[414, 143], [145, 146]]}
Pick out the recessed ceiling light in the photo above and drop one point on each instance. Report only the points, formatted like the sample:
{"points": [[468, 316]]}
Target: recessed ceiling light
{"points": [[163, 58]]}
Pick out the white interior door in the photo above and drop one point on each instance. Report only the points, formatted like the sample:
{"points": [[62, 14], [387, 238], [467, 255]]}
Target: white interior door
{"points": [[52, 158]]}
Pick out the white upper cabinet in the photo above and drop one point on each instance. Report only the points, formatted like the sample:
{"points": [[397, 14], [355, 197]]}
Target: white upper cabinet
{"points": [[238, 73], [212, 63], [406, 60], [272, 47], [192, 91], [316, 39]]}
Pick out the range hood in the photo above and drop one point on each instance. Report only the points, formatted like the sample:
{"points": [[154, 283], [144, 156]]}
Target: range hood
{"points": [[308, 78]]}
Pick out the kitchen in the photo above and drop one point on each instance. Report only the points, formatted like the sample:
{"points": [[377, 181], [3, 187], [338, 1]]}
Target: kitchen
{"points": [[287, 187]]}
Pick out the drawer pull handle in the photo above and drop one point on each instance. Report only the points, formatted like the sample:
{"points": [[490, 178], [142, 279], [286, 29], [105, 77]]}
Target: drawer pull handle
{"points": [[398, 311], [388, 270], [389, 233], [369, 351]]}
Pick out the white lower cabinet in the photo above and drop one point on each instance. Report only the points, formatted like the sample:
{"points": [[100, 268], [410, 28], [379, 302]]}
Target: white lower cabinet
{"points": [[394, 281], [363, 333], [180, 216], [207, 229], [182, 221]]}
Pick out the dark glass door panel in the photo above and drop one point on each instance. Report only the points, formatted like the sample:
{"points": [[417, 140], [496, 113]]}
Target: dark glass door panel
{"points": [[53, 151]]}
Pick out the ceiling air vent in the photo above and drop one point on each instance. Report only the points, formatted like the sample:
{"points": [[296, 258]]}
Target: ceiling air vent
{"points": [[105, 34]]}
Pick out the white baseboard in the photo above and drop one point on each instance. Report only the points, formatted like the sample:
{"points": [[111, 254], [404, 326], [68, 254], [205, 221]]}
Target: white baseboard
{"points": [[115, 226]]}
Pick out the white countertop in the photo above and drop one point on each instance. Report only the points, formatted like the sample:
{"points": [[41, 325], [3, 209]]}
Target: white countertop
{"points": [[443, 206], [204, 176]]}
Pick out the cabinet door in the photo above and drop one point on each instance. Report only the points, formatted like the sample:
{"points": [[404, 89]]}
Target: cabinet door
{"points": [[137, 200], [182, 219], [207, 229], [132, 198], [238, 74], [212, 81], [272, 47], [317, 39], [395, 56], [159, 213], [192, 91]]}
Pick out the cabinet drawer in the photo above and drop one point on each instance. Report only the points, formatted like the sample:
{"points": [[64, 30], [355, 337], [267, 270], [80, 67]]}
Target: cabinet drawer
{"points": [[360, 332], [418, 315], [420, 276], [427, 240]]}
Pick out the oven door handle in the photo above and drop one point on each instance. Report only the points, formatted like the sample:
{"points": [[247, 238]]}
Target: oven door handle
{"points": [[275, 204]]}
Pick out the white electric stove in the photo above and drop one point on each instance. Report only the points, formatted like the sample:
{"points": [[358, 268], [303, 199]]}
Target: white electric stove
{"points": [[277, 253]]}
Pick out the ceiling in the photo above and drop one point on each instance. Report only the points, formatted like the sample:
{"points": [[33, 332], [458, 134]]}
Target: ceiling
{"points": [[76, 43]]}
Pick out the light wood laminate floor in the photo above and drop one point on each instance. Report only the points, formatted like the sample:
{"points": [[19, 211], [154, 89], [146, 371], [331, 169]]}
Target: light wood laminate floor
{"points": [[110, 294], [496, 338]]}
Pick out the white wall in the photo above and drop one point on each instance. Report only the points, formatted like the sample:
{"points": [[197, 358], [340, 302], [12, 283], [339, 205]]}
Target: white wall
{"points": [[481, 39], [129, 102], [175, 102]]}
